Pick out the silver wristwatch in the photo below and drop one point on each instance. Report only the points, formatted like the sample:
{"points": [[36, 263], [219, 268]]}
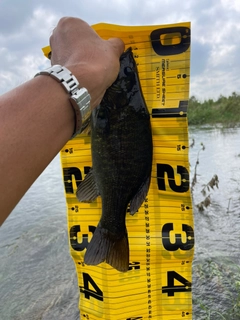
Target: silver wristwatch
{"points": [[79, 97]]}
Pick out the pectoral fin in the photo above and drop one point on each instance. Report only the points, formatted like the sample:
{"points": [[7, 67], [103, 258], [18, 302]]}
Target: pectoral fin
{"points": [[139, 197], [87, 190]]}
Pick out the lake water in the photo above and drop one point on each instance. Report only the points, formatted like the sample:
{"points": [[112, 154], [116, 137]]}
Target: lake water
{"points": [[216, 268], [37, 274]]}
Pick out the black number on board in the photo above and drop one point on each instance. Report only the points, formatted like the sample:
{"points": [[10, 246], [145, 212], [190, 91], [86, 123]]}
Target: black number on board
{"points": [[170, 289], [96, 293], [68, 174], [74, 237], [167, 34], [166, 168], [134, 265], [189, 244], [73, 173]]}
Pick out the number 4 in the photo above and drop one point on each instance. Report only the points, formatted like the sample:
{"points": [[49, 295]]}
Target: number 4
{"points": [[170, 289], [96, 293]]}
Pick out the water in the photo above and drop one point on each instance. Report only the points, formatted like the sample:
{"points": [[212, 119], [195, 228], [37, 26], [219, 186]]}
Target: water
{"points": [[221, 221], [216, 268], [37, 274]]}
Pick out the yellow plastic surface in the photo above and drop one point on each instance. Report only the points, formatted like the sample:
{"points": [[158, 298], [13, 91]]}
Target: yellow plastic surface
{"points": [[161, 236]]}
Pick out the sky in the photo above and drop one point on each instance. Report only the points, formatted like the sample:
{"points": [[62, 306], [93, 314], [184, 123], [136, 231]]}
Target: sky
{"points": [[26, 25]]}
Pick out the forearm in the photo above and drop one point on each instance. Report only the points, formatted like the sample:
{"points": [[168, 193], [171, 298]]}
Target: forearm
{"points": [[37, 119], [33, 128]]}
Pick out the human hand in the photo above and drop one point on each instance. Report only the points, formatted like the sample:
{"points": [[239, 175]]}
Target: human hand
{"points": [[92, 60]]}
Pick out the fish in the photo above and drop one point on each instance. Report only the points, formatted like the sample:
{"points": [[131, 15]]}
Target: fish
{"points": [[122, 151]]}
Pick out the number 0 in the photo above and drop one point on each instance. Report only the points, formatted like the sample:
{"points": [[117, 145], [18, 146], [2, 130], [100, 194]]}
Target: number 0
{"points": [[172, 49]]}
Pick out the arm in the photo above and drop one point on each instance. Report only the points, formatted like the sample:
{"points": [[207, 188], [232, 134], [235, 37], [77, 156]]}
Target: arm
{"points": [[36, 118]]}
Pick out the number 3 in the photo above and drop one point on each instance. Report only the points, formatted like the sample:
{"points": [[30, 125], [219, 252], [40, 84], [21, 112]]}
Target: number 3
{"points": [[178, 243]]}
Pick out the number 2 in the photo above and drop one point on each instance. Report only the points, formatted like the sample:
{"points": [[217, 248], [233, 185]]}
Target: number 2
{"points": [[182, 171]]}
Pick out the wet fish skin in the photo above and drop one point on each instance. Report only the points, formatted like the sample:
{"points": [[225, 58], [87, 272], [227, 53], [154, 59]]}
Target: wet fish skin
{"points": [[122, 161]]}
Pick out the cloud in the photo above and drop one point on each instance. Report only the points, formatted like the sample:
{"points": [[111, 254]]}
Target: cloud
{"points": [[20, 53], [25, 29], [13, 16], [231, 4]]}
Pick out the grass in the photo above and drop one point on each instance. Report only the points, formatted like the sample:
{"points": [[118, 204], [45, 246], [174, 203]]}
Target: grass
{"points": [[224, 110], [222, 276]]}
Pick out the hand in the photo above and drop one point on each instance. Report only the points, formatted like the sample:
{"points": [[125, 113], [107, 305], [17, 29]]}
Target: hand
{"points": [[92, 60]]}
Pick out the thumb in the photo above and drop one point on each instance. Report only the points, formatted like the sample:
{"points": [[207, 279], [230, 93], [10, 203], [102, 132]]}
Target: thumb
{"points": [[118, 45]]}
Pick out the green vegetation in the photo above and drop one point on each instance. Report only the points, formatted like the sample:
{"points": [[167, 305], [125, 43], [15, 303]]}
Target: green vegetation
{"points": [[224, 110], [223, 277]]}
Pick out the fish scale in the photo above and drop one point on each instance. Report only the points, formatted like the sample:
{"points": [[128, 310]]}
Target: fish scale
{"points": [[122, 149]]}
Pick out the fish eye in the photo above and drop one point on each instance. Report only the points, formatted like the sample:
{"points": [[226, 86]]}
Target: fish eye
{"points": [[127, 71]]}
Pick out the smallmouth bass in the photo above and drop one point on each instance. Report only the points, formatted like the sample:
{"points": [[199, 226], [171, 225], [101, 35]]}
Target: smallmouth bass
{"points": [[121, 142]]}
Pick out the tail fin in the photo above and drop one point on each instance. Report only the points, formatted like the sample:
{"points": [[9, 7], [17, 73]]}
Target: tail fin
{"points": [[108, 247]]}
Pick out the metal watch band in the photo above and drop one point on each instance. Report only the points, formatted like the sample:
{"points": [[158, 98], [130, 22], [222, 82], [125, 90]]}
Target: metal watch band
{"points": [[79, 97]]}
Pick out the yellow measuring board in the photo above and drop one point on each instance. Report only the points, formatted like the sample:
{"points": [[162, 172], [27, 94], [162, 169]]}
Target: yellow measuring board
{"points": [[161, 237]]}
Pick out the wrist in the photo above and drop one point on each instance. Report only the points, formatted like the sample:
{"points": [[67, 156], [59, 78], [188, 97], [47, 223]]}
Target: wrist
{"points": [[92, 78], [78, 97]]}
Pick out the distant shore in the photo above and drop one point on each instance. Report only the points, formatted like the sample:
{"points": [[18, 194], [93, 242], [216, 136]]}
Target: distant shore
{"points": [[224, 111]]}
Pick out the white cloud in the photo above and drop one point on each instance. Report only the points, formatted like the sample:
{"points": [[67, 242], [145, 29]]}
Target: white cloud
{"points": [[21, 57], [219, 54], [231, 4], [25, 29], [43, 21]]}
